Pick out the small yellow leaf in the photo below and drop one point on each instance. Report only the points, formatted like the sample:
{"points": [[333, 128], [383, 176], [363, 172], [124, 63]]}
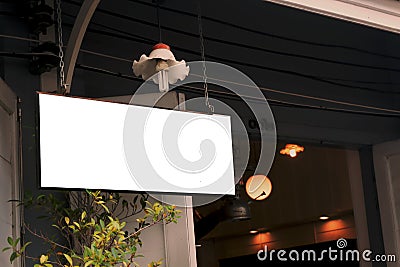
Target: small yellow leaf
{"points": [[105, 207], [69, 259], [83, 215], [66, 220], [88, 263], [43, 259]]}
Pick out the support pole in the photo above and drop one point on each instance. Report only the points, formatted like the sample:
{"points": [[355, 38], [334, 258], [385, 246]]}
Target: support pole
{"points": [[76, 37]]}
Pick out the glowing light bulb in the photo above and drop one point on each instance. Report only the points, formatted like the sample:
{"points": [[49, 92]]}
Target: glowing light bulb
{"points": [[292, 150]]}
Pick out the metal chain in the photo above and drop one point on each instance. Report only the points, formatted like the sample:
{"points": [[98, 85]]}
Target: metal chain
{"points": [[203, 58], [63, 85]]}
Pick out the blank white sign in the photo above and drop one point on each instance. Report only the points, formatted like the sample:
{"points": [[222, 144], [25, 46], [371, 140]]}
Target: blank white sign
{"points": [[102, 145]]}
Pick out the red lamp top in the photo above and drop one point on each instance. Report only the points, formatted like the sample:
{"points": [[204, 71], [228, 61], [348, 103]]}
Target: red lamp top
{"points": [[161, 46]]}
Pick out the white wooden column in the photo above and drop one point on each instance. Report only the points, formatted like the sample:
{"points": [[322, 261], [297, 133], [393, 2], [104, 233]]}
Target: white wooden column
{"points": [[10, 213], [387, 174]]}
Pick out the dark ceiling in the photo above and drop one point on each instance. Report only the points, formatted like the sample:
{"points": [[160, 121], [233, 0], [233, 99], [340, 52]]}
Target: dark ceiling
{"points": [[327, 81], [293, 52]]}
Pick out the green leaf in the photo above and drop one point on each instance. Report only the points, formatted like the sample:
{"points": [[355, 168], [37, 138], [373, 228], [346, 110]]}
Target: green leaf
{"points": [[14, 200], [16, 241], [56, 226], [24, 246], [10, 241], [88, 263], [13, 256], [133, 249], [4, 249], [69, 259], [40, 196], [76, 257]]}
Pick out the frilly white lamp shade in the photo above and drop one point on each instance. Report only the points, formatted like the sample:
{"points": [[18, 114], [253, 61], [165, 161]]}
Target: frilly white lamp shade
{"points": [[161, 61]]}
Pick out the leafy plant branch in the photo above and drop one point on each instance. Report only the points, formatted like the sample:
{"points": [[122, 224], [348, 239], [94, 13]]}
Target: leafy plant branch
{"points": [[92, 225]]}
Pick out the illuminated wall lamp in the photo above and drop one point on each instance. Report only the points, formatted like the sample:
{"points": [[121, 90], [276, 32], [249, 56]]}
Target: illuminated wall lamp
{"points": [[291, 150], [258, 187]]}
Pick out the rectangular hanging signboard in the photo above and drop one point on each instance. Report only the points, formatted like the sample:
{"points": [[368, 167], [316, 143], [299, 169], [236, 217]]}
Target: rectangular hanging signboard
{"points": [[103, 145]]}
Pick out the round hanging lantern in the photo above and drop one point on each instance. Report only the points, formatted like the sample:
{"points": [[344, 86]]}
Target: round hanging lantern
{"points": [[258, 187]]}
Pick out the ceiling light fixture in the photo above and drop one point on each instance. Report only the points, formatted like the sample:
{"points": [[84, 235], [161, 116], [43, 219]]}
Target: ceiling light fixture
{"points": [[323, 217], [161, 61], [291, 150], [253, 231]]}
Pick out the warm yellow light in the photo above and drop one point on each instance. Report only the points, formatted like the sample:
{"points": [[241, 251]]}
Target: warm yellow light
{"points": [[253, 231], [258, 187], [291, 150], [323, 218]]}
